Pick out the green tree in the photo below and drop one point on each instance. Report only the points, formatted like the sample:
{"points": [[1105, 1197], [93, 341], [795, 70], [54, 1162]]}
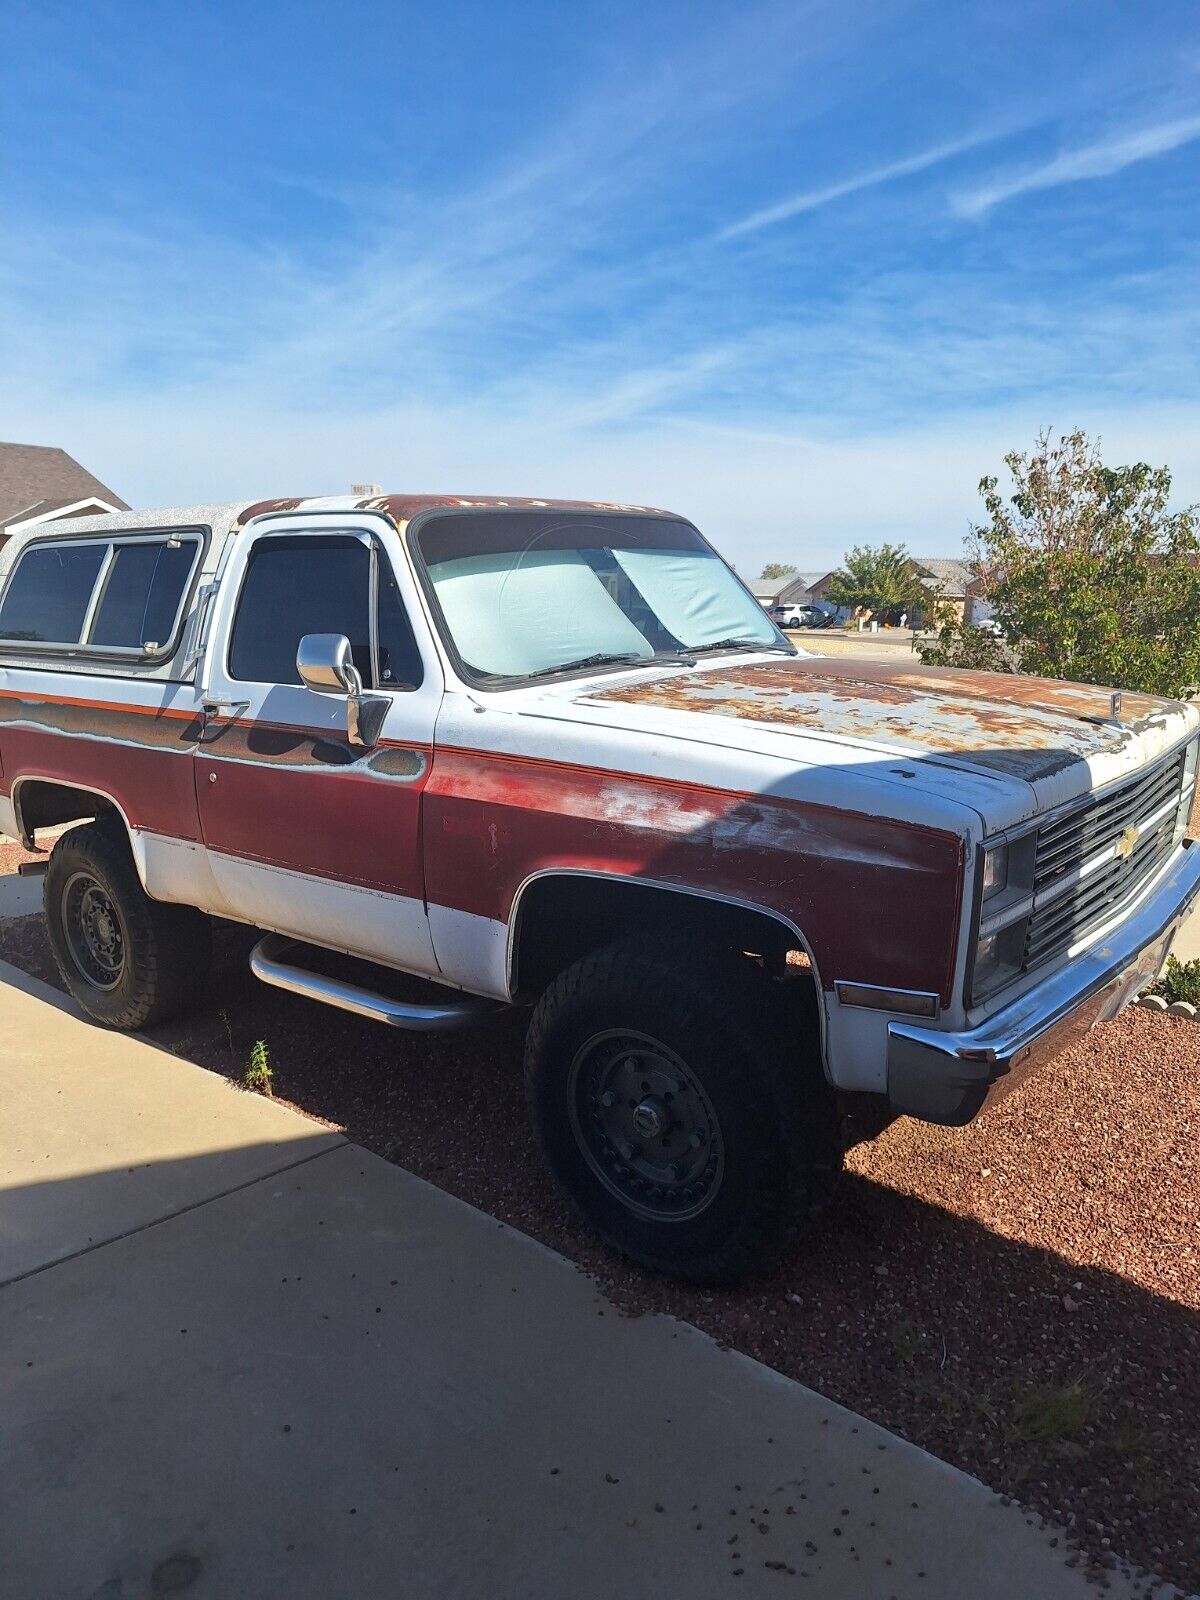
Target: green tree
{"points": [[776, 569], [877, 578], [1089, 574]]}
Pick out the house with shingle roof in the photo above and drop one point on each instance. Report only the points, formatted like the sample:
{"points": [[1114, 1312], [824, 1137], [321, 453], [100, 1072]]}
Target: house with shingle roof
{"points": [[41, 483], [951, 583], [790, 590], [948, 582]]}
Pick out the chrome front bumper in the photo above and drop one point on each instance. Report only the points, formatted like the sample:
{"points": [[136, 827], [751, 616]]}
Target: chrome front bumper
{"points": [[949, 1077]]}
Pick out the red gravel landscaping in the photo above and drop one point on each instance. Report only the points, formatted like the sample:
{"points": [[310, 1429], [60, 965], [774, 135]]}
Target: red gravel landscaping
{"points": [[1022, 1297]]}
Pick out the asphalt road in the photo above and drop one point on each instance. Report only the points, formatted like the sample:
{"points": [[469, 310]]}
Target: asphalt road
{"points": [[889, 644]]}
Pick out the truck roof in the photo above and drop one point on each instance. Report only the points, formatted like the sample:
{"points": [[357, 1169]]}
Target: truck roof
{"points": [[403, 507], [227, 516], [223, 519]]}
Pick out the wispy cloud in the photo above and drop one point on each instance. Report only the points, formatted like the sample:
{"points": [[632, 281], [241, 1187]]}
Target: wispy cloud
{"points": [[1098, 160], [550, 310], [812, 199], [446, 286]]}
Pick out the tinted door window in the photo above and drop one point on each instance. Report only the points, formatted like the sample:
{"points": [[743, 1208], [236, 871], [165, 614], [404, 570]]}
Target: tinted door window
{"points": [[312, 584], [46, 598], [141, 595]]}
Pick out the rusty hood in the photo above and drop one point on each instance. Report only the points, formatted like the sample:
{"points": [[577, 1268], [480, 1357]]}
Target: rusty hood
{"points": [[1028, 728]]}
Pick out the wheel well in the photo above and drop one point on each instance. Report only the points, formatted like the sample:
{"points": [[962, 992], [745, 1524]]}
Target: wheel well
{"points": [[562, 916], [41, 803]]}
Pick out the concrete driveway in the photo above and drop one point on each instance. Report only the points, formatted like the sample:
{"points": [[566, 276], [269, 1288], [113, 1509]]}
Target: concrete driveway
{"points": [[242, 1357], [20, 897], [1187, 942]]}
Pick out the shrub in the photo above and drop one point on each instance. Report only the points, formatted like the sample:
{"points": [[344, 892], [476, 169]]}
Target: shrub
{"points": [[1181, 981], [1089, 574]]}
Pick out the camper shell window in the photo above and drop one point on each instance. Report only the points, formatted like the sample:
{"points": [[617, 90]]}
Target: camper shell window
{"points": [[116, 595]]}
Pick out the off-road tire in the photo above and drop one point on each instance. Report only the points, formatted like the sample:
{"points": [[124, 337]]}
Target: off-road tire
{"points": [[167, 949], [777, 1115]]}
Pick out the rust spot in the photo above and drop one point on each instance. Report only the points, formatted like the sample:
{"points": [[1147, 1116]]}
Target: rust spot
{"points": [[1023, 725], [395, 762], [403, 507], [261, 507]]}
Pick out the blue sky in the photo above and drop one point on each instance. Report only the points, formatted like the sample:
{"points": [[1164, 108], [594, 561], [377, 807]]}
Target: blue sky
{"points": [[802, 271]]}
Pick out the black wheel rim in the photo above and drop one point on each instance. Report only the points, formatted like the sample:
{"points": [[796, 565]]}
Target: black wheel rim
{"points": [[94, 931], [645, 1125]]}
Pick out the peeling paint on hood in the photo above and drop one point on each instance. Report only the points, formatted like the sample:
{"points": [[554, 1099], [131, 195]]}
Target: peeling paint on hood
{"points": [[1025, 727]]}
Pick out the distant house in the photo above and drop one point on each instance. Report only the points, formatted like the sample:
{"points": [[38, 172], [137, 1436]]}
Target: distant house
{"points": [[950, 584], [790, 590], [947, 582], [819, 587], [41, 483]]}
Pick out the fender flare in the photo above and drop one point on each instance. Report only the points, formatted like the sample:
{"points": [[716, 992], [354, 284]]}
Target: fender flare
{"points": [[133, 834], [687, 890]]}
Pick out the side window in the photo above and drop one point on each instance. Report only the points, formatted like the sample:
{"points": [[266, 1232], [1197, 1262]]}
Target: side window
{"points": [[46, 599], [99, 594], [141, 595], [317, 584]]}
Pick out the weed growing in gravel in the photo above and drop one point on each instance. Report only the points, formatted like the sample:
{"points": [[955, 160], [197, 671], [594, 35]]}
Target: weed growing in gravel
{"points": [[1181, 981], [258, 1074], [905, 1340], [1051, 1414]]}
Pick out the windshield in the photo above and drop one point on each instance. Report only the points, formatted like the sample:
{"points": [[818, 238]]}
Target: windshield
{"points": [[522, 594]]}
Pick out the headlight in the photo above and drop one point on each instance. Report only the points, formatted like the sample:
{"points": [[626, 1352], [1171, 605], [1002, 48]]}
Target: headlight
{"points": [[1005, 904], [995, 870], [997, 958], [987, 961]]}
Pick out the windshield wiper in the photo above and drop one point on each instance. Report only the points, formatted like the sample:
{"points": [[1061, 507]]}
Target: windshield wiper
{"points": [[602, 658], [670, 658], [741, 644]]}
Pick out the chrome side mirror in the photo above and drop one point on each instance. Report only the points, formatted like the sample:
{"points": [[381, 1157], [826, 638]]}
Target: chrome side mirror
{"points": [[325, 663]]}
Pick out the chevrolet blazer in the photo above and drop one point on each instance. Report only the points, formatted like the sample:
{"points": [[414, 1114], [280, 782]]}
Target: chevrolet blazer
{"points": [[554, 755]]}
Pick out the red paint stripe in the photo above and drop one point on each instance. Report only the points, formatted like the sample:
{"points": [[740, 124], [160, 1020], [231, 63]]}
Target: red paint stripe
{"points": [[872, 896], [185, 715], [684, 785], [124, 706], [502, 816]]}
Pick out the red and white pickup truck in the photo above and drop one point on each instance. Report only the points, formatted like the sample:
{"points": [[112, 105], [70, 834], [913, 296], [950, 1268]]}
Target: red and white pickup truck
{"points": [[555, 754]]}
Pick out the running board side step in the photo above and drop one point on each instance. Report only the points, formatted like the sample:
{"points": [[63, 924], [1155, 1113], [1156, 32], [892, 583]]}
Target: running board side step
{"points": [[267, 963]]}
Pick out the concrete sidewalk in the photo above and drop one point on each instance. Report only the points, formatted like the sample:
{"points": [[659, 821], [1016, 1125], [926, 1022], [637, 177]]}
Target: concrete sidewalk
{"points": [[242, 1357]]}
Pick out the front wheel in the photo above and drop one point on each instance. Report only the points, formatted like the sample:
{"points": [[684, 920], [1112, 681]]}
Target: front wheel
{"points": [[127, 960], [663, 1103]]}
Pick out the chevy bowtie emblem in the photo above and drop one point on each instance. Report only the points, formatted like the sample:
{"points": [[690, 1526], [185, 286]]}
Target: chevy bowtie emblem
{"points": [[1127, 843]]}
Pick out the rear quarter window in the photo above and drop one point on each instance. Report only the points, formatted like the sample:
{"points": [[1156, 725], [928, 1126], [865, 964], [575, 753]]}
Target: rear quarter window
{"points": [[121, 594], [47, 595], [141, 595]]}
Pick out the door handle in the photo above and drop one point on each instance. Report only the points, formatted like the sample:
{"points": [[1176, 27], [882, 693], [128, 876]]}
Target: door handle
{"points": [[230, 708]]}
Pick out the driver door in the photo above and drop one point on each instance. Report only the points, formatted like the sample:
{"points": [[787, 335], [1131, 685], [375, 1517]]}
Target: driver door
{"points": [[305, 832]]}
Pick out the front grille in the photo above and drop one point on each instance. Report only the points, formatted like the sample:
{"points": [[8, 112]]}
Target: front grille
{"points": [[1069, 898]]}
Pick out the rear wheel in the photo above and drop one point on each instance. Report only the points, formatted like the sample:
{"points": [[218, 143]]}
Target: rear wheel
{"points": [[664, 1105], [127, 960]]}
